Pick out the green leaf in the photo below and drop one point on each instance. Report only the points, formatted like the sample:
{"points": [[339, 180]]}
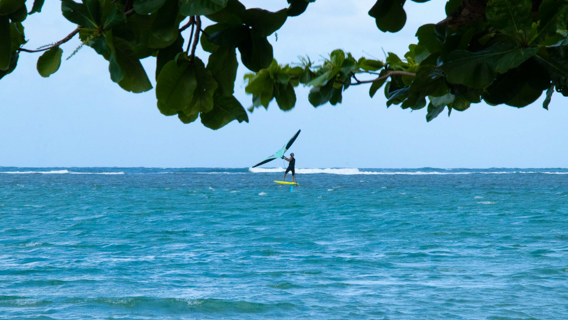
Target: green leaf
{"points": [[38, 4], [389, 14], [321, 95], [395, 62], [555, 61], [515, 59], [297, 7], [165, 27], [200, 7], [77, 13], [427, 38], [134, 76], [94, 10], [396, 96], [434, 111], [451, 6], [512, 17], [137, 31], [225, 110], [420, 53], [49, 62], [535, 75], [256, 52], [206, 85], [11, 67], [113, 18], [526, 96], [337, 57], [263, 21], [231, 14], [188, 118], [10, 6], [207, 32], [477, 69], [175, 87], [460, 104], [504, 88], [414, 102], [261, 86], [470, 69], [370, 65], [429, 81], [285, 96], [323, 79], [168, 54], [147, 6], [552, 16], [443, 100], [19, 15], [5, 43], [17, 36], [92, 38], [116, 72], [231, 36], [336, 96], [376, 86], [549, 93], [223, 65]]}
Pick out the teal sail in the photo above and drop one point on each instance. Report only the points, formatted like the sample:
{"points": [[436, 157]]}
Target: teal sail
{"points": [[280, 152]]}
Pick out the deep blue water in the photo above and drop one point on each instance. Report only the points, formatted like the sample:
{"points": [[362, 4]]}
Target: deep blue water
{"points": [[135, 243]]}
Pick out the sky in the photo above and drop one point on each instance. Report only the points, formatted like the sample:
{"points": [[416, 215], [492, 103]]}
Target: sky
{"points": [[79, 118]]}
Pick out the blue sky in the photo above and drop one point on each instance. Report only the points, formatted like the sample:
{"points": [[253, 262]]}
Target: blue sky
{"points": [[79, 117]]}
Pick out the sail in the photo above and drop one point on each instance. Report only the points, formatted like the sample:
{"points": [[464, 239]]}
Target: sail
{"points": [[280, 152]]}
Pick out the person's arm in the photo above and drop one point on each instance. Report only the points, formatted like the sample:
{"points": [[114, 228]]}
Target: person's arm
{"points": [[284, 157]]}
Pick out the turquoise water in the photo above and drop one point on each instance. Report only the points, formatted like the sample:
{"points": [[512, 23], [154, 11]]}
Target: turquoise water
{"points": [[133, 243]]}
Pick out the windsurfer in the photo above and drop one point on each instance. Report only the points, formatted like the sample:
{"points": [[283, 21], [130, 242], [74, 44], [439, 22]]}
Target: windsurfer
{"points": [[291, 166]]}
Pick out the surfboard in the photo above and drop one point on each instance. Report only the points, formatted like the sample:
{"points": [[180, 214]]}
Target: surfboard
{"points": [[288, 183]]}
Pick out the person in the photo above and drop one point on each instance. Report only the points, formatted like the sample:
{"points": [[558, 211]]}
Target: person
{"points": [[291, 165]]}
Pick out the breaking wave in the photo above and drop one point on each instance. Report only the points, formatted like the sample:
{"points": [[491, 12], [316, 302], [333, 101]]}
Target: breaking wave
{"points": [[59, 172], [355, 171]]}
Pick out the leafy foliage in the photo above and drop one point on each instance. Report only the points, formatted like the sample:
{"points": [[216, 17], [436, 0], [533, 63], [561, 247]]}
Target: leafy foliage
{"points": [[49, 62], [497, 51]]}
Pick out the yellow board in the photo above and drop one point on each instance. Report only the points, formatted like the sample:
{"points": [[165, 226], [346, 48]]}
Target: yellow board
{"points": [[288, 183]]}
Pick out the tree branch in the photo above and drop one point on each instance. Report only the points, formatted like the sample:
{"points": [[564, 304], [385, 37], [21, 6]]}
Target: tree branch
{"points": [[192, 22], [196, 40], [388, 74], [189, 23], [58, 43]]}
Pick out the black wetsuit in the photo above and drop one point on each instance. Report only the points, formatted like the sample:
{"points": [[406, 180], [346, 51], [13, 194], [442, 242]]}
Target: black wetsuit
{"points": [[291, 167]]}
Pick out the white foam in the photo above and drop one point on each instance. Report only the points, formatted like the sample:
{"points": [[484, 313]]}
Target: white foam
{"points": [[41, 172], [262, 194], [266, 170], [348, 171], [105, 173], [59, 172], [344, 171], [219, 172], [355, 171]]}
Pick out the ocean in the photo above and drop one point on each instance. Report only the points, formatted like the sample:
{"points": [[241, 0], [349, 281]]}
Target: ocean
{"points": [[218, 243]]}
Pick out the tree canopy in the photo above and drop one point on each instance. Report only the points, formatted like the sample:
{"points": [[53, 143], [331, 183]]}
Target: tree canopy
{"points": [[503, 52]]}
